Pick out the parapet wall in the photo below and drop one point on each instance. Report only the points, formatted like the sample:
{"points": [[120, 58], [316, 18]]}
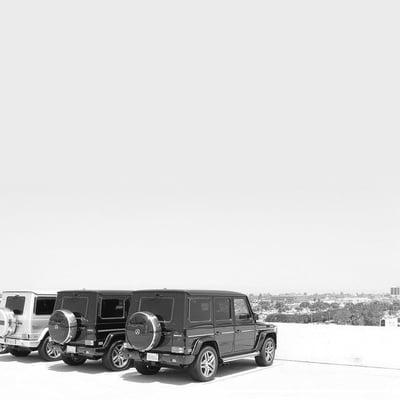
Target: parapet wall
{"points": [[351, 345]]}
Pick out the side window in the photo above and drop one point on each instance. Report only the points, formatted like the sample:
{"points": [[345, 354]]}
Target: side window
{"points": [[200, 310], [242, 311], [222, 309], [44, 306], [112, 308]]}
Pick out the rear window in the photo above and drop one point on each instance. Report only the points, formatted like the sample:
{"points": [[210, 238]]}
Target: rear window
{"points": [[200, 310], [112, 308], [44, 306], [16, 304], [161, 307], [75, 304]]}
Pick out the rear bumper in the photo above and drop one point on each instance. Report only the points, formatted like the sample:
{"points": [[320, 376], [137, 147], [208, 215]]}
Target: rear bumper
{"points": [[31, 344], [86, 351], [167, 359]]}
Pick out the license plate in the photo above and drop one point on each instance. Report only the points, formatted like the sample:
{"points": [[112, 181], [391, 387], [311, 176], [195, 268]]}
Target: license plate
{"points": [[152, 357], [71, 349], [11, 341]]}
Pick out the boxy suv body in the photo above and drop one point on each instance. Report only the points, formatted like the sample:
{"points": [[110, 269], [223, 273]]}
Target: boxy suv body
{"points": [[23, 323], [91, 325], [195, 329]]}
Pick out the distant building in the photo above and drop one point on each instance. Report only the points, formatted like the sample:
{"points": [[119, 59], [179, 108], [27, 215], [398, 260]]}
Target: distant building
{"points": [[390, 322], [395, 291]]}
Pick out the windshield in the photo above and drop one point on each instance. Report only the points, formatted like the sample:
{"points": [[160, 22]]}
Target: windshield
{"points": [[16, 304], [161, 307], [75, 304]]}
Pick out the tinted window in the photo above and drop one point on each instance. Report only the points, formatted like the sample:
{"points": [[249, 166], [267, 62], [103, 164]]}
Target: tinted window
{"points": [[112, 308], [44, 306], [222, 309], [16, 304], [75, 304], [161, 307], [241, 309], [200, 310]]}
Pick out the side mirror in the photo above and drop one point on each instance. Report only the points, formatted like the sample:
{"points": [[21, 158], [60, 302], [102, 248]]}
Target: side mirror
{"points": [[256, 317]]}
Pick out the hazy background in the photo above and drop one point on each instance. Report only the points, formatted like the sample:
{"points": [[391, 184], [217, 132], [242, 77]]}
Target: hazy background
{"points": [[218, 144]]}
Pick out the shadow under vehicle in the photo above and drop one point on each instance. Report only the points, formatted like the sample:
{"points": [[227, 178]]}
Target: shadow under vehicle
{"points": [[195, 329], [24, 317], [91, 325]]}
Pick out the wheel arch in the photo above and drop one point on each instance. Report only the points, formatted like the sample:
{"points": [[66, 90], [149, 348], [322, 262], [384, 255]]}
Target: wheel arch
{"points": [[45, 332], [263, 336], [274, 336], [207, 341], [112, 338]]}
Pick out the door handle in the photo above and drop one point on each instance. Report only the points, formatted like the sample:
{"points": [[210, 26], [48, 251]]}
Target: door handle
{"points": [[218, 333], [238, 331]]}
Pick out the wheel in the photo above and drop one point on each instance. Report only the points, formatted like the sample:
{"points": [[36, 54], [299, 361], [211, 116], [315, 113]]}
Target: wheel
{"points": [[20, 352], [267, 353], [146, 369], [49, 352], [205, 366], [114, 358], [3, 349], [73, 359]]}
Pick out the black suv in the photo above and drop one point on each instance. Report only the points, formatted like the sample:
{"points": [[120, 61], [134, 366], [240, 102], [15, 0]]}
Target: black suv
{"points": [[91, 325], [195, 329]]}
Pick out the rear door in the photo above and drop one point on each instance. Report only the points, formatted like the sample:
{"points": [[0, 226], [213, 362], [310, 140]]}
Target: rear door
{"points": [[21, 305], [168, 307], [245, 328], [223, 322]]}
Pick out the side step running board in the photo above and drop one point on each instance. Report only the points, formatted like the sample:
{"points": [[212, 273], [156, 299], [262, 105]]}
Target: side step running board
{"points": [[239, 357]]}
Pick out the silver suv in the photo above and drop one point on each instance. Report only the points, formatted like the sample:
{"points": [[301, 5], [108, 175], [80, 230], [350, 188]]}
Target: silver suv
{"points": [[24, 317]]}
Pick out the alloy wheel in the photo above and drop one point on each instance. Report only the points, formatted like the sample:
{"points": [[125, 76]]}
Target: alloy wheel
{"points": [[208, 363], [52, 351], [118, 358], [269, 350]]}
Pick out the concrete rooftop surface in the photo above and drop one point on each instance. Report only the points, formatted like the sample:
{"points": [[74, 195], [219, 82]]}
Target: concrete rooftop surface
{"points": [[313, 362], [33, 378]]}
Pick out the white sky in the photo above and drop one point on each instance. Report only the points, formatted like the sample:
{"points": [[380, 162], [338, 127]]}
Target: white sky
{"points": [[218, 144]]}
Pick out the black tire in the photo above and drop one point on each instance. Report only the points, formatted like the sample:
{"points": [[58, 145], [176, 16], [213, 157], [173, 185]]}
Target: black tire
{"points": [[114, 360], [3, 349], [146, 369], [205, 366], [73, 359], [20, 352], [267, 353], [49, 352]]}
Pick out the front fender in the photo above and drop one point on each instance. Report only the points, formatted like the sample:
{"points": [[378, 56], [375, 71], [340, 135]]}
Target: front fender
{"points": [[263, 335]]}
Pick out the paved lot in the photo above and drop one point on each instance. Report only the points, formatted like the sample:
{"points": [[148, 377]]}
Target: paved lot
{"points": [[31, 377]]}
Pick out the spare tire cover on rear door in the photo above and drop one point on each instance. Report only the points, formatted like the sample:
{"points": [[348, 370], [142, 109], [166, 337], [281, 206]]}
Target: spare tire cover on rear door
{"points": [[63, 326], [143, 331], [8, 322]]}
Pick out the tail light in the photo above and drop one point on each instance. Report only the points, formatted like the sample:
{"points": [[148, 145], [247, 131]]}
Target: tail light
{"points": [[178, 343]]}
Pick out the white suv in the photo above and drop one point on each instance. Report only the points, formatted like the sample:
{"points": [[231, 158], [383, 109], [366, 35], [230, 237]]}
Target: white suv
{"points": [[24, 317]]}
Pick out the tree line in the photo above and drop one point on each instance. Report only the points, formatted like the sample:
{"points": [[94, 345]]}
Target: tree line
{"points": [[369, 314]]}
